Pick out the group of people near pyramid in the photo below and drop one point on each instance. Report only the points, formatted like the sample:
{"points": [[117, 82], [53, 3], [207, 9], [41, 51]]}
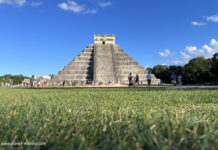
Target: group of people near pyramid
{"points": [[135, 80]]}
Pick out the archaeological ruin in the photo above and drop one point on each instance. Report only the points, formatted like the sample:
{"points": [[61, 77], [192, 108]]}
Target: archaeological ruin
{"points": [[105, 62]]}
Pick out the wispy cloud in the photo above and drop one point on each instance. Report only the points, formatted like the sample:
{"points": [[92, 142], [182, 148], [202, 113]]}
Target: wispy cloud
{"points": [[213, 18], [91, 11], [105, 4], [71, 6], [18, 3], [166, 53], [195, 23], [77, 8], [36, 4], [184, 59]]}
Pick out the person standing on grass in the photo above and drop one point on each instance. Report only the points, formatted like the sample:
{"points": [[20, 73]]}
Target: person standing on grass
{"points": [[11, 82], [173, 78], [180, 80], [137, 79], [149, 78], [2, 84], [63, 83], [130, 80]]}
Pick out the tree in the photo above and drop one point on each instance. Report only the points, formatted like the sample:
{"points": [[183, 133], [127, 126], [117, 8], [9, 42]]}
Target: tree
{"points": [[162, 72], [17, 79], [214, 68], [197, 71]]}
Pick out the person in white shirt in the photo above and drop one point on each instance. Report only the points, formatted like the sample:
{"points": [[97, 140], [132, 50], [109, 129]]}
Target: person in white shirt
{"points": [[149, 78]]}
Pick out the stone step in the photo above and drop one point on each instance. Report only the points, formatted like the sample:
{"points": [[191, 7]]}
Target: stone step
{"points": [[127, 63], [72, 67], [131, 71], [121, 50], [117, 50], [80, 63], [76, 75], [120, 57], [126, 67], [138, 68], [86, 54], [88, 50], [90, 46], [121, 54], [75, 79], [82, 59], [125, 59], [77, 71]]}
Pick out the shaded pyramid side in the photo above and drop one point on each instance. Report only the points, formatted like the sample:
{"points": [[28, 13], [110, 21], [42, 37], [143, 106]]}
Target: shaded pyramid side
{"points": [[125, 65], [80, 69]]}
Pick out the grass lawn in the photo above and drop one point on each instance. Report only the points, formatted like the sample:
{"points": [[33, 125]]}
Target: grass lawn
{"points": [[109, 118]]}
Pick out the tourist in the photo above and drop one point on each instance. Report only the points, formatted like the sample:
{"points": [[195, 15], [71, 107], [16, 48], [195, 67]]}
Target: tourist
{"points": [[2, 84], [11, 83], [161, 82], [149, 78], [180, 80], [63, 83], [137, 79], [130, 80], [39, 83], [173, 78]]}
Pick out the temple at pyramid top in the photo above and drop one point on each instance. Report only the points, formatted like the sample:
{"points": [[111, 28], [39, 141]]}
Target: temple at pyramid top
{"points": [[104, 39], [105, 62]]}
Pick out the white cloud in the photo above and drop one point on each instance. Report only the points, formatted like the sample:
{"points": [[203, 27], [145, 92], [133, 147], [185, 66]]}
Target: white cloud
{"points": [[18, 3], [214, 43], [183, 60], [178, 62], [76, 8], [195, 23], [36, 4], [193, 50], [206, 51], [185, 57], [213, 18], [91, 11], [166, 53], [71, 6], [105, 4]]}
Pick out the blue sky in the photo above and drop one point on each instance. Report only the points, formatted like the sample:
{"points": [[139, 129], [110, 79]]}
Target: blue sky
{"points": [[42, 36]]}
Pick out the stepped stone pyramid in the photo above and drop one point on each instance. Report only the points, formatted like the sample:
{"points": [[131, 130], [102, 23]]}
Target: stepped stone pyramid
{"points": [[104, 61]]}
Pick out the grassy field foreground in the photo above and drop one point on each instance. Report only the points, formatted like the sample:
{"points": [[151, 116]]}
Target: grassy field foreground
{"points": [[110, 118]]}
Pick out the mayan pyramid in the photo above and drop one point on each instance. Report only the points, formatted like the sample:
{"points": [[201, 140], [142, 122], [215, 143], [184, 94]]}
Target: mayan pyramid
{"points": [[104, 61]]}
